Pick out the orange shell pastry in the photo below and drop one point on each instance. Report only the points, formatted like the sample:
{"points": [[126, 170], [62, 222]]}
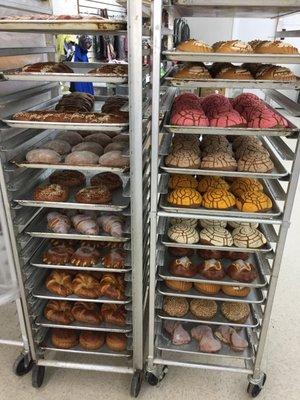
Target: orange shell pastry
{"points": [[185, 197], [182, 181], [212, 182], [253, 202], [218, 198], [241, 185]]}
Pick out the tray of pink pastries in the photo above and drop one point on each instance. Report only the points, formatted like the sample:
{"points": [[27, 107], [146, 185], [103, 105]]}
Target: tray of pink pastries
{"points": [[217, 114]]}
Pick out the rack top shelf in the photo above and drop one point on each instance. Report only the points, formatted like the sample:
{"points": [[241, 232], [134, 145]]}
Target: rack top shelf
{"points": [[237, 8]]}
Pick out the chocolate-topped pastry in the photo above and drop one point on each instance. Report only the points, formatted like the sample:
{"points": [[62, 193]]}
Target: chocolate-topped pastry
{"points": [[183, 233], [112, 181], [248, 237], [183, 267], [94, 195], [236, 255], [209, 254], [183, 159], [180, 251], [221, 161], [212, 269], [242, 271], [67, 178], [260, 162], [216, 236]]}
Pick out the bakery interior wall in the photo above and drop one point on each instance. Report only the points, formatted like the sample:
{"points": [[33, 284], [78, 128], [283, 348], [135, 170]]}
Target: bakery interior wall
{"points": [[65, 6]]}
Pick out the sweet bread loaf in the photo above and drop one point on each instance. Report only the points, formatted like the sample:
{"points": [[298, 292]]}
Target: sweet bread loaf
{"points": [[91, 340], [114, 104], [193, 72], [77, 101], [110, 70], [219, 199], [58, 223], [61, 147], [116, 341], [232, 46], [175, 306], [183, 266], [216, 67], [67, 178], [85, 224], [216, 236], [51, 192], [64, 338], [275, 73], [234, 73], [43, 156], [87, 313], [194, 46], [242, 271], [94, 195], [89, 146], [85, 256], [47, 67], [82, 157], [114, 158], [114, 314], [85, 285], [203, 309], [276, 47], [183, 233], [212, 269], [59, 283], [110, 180], [59, 312]]}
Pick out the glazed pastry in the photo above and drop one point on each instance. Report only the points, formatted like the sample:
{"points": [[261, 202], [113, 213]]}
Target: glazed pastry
{"points": [[114, 314], [218, 198], [112, 286], [90, 147], [82, 157], [59, 312], [59, 283], [175, 306], [219, 161], [248, 237], [255, 163], [232, 46], [236, 255], [71, 137], [253, 201], [212, 182], [236, 291], [207, 288], [60, 146], [91, 340], [179, 286], [58, 223], [64, 338], [235, 312], [179, 335], [183, 233], [185, 197], [112, 224], [100, 138], [85, 285], [242, 271], [241, 185], [85, 224], [216, 237], [180, 251], [189, 221], [115, 259], [85, 257], [112, 181], [210, 254], [43, 156], [114, 158], [88, 313], [58, 255], [207, 342], [212, 269], [183, 159], [51, 192], [194, 46], [94, 195], [207, 223], [183, 267], [67, 178], [116, 341], [229, 335], [203, 309], [182, 181]]}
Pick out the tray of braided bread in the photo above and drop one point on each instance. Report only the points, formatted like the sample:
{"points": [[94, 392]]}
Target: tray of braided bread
{"points": [[69, 72], [216, 114], [44, 23]]}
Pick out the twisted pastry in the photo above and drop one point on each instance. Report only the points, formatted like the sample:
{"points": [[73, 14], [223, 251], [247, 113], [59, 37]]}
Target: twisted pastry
{"points": [[59, 312], [87, 313], [58, 223], [85, 285], [85, 224], [60, 283], [112, 286], [111, 224], [114, 314]]}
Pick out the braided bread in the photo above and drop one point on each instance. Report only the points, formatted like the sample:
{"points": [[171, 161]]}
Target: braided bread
{"points": [[60, 283], [111, 224], [114, 314], [85, 285], [85, 224], [58, 223], [87, 313], [112, 286], [114, 259], [59, 312]]}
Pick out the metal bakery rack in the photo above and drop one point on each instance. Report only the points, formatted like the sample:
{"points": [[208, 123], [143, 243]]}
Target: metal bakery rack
{"points": [[25, 220], [281, 184]]}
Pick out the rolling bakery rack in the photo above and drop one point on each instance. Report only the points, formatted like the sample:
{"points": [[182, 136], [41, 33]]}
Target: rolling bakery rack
{"points": [[281, 185], [25, 219]]}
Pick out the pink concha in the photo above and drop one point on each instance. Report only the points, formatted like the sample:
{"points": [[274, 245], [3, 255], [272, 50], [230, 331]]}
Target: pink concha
{"points": [[216, 101], [245, 99], [186, 96], [230, 118], [251, 112], [191, 117], [264, 120]]}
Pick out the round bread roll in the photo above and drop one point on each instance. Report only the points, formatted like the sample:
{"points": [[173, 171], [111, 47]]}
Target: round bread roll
{"points": [[71, 137], [179, 286], [182, 181], [81, 158], [43, 156], [91, 340], [114, 158], [276, 47], [175, 306], [118, 146], [51, 192], [64, 338], [203, 309], [116, 341], [89, 146], [216, 236], [207, 288], [62, 147], [235, 312], [236, 291], [67, 178], [194, 46], [247, 237], [183, 233], [100, 138], [232, 46]]}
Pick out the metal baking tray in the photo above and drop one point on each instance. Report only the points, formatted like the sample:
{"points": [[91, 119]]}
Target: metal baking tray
{"points": [[103, 351], [164, 273], [104, 327], [62, 166], [175, 55], [119, 203], [255, 295], [37, 261], [164, 343]]}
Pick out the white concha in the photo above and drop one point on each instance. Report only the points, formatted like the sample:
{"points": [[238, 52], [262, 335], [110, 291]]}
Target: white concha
{"points": [[183, 233], [207, 223], [248, 237], [189, 221]]}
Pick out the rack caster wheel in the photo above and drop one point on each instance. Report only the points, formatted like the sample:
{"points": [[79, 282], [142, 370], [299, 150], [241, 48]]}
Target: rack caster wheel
{"points": [[136, 384], [22, 365], [153, 379], [254, 390], [38, 373]]}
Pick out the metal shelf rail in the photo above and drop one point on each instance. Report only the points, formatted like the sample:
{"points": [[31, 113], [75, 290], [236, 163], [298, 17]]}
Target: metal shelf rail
{"points": [[161, 352]]}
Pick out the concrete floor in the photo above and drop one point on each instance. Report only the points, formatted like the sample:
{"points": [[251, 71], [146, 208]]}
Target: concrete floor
{"points": [[282, 358]]}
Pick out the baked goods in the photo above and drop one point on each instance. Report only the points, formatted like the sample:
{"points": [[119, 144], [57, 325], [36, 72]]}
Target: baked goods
{"points": [[207, 288], [218, 198], [70, 117], [87, 313], [89, 146], [203, 309], [189, 221], [43, 156], [242, 271], [85, 224], [253, 201], [53, 17], [116, 341], [67, 178], [115, 259], [64, 338], [60, 146], [85, 285], [116, 147], [255, 163], [110, 70], [241, 185], [99, 138], [193, 72], [178, 335], [235, 312], [182, 181], [229, 335], [216, 236], [212, 182], [85, 257], [58, 223], [58, 255], [185, 197], [194, 46], [212, 269], [219, 161], [71, 137], [183, 233], [180, 251], [275, 73], [59, 283], [236, 291], [183, 159], [76, 101], [51, 192], [47, 67], [179, 286], [110, 180], [114, 158], [114, 104], [114, 314], [94, 195], [112, 286], [112, 224], [207, 342], [210, 254], [234, 72], [183, 266], [175, 306], [59, 312], [237, 255], [206, 223], [275, 47], [91, 340], [82, 157], [232, 46], [248, 237]]}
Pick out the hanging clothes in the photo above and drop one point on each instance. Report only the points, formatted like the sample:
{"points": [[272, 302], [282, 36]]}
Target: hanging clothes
{"points": [[84, 87]]}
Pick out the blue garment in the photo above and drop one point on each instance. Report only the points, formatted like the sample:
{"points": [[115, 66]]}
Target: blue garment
{"points": [[80, 55]]}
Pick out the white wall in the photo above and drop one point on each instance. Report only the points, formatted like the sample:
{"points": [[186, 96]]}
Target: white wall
{"points": [[64, 7], [206, 29]]}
